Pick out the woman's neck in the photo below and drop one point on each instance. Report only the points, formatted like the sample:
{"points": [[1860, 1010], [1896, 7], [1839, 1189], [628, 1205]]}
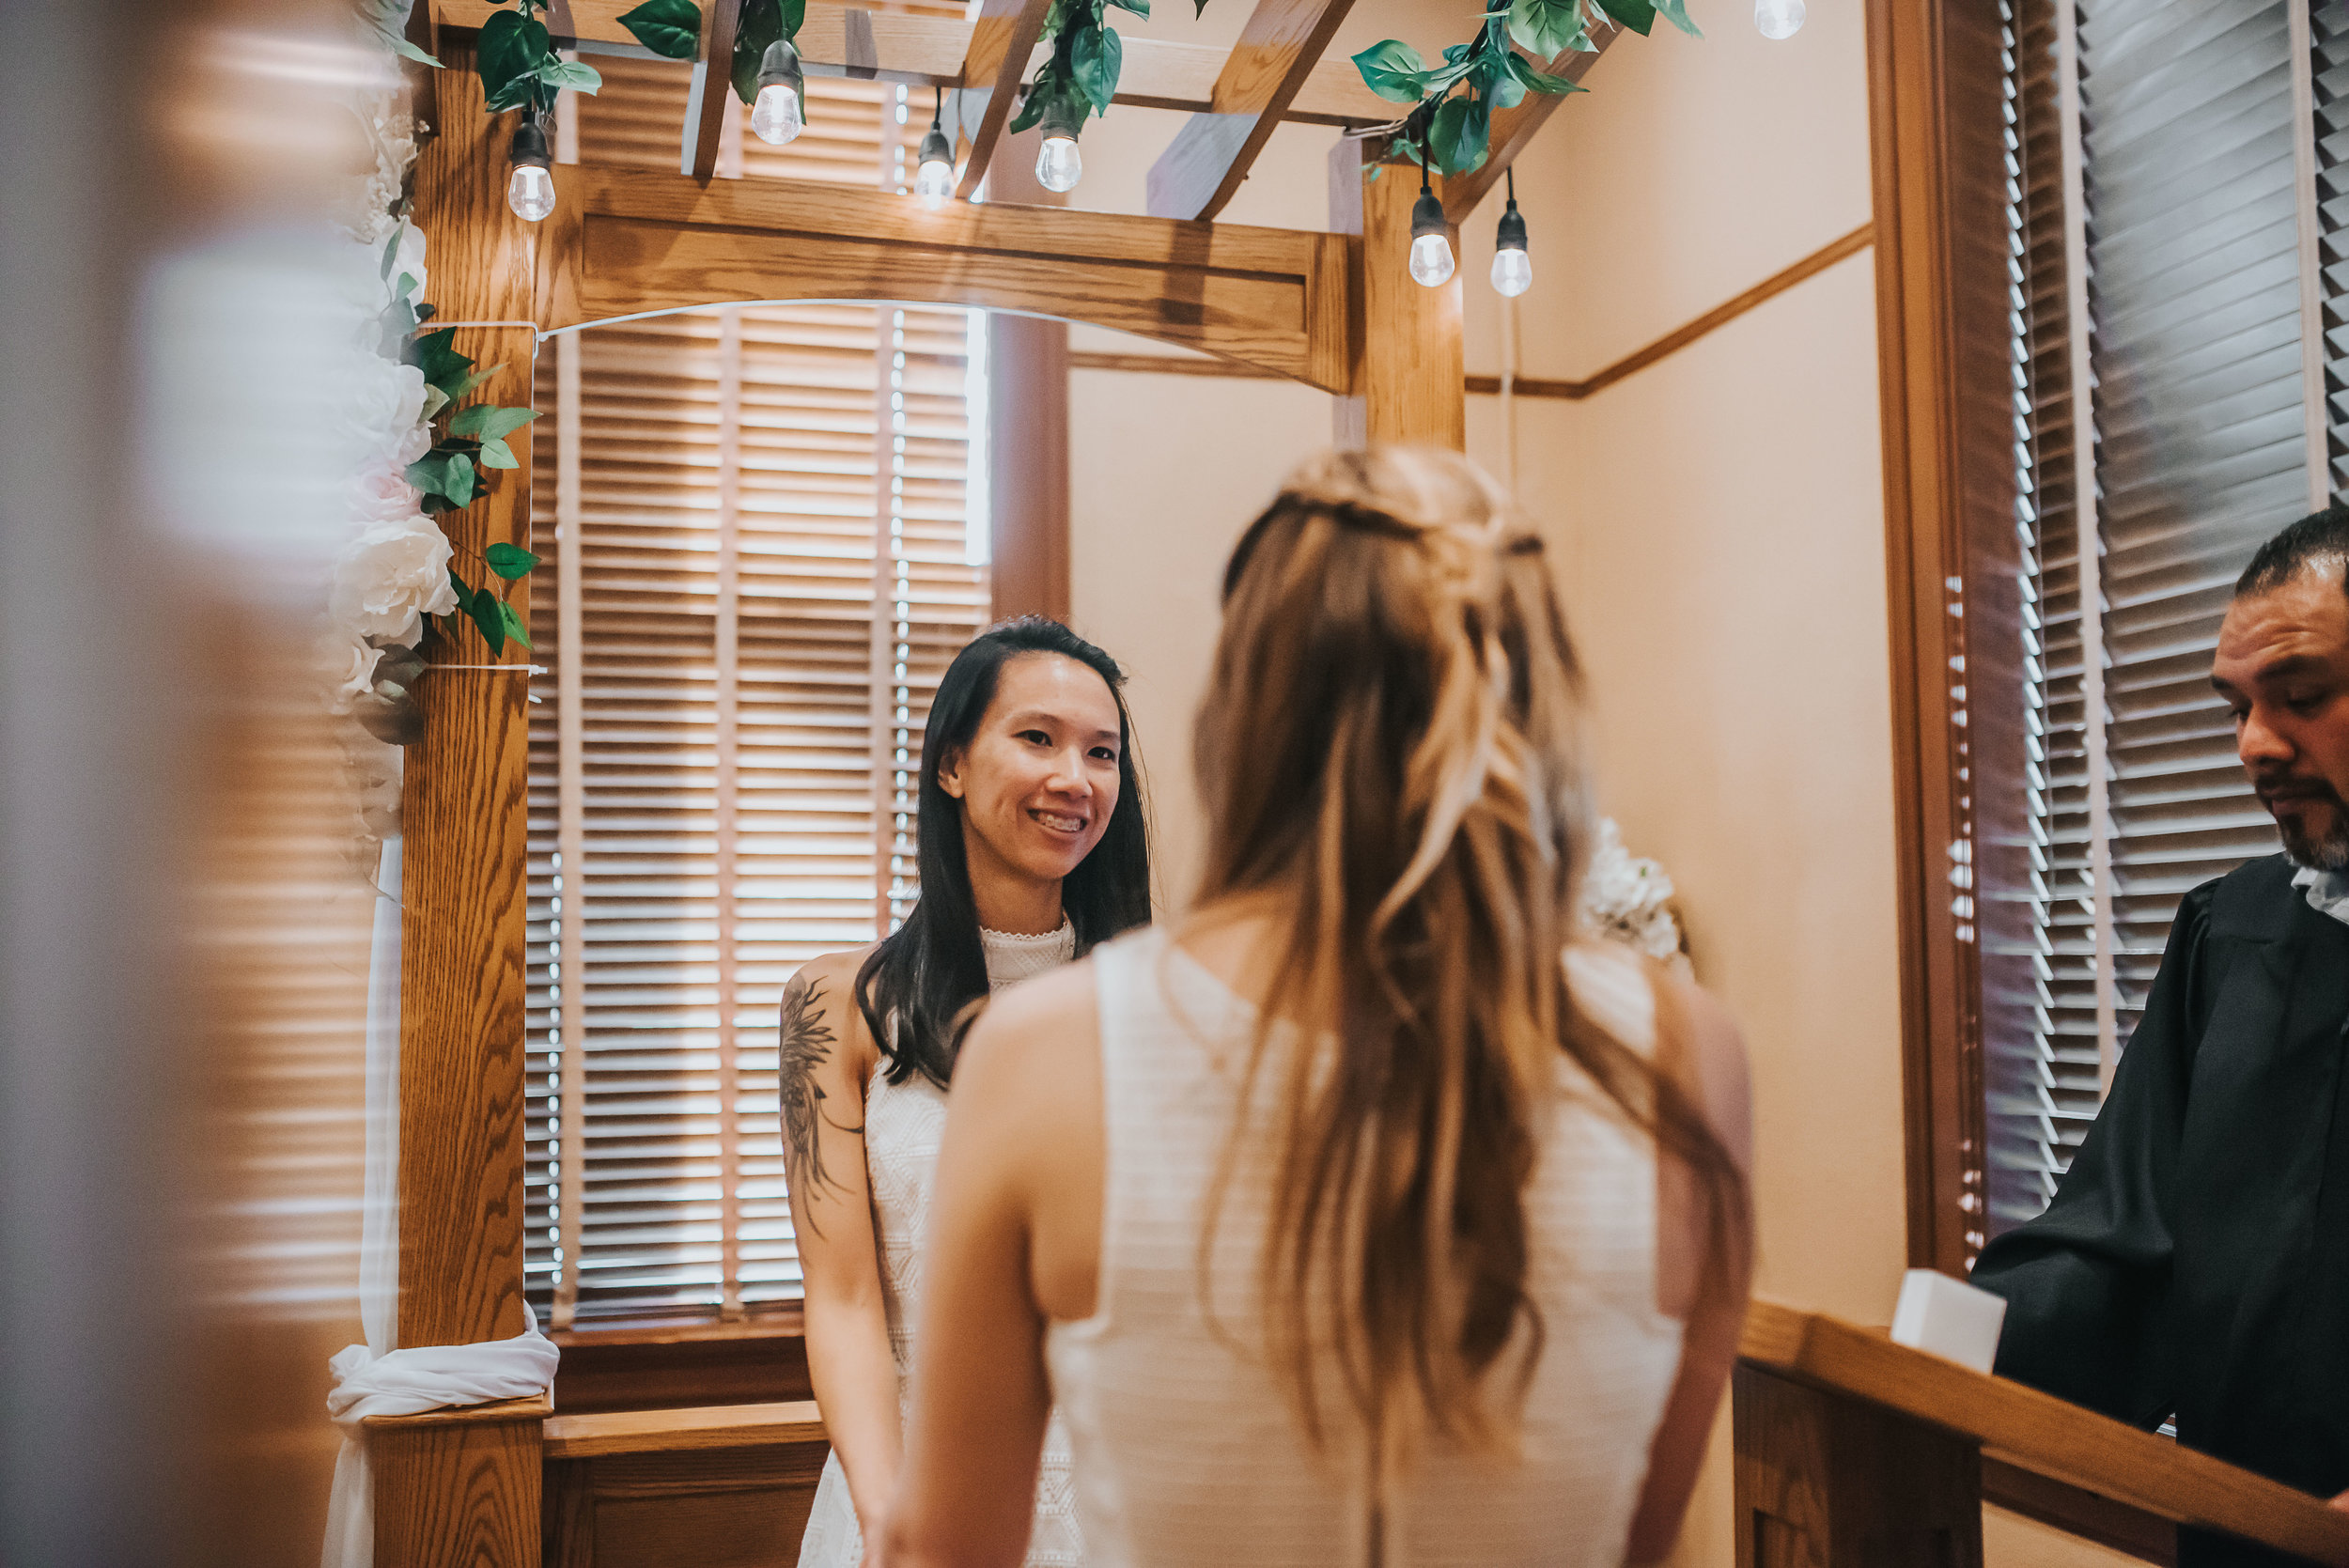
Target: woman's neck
{"points": [[1015, 904]]}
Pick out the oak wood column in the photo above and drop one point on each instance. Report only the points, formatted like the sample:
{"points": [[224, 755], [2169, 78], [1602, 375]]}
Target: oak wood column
{"points": [[1027, 454], [469, 1491], [1411, 386]]}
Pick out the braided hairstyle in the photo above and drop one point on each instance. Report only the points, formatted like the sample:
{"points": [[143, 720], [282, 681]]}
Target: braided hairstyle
{"points": [[1391, 746]]}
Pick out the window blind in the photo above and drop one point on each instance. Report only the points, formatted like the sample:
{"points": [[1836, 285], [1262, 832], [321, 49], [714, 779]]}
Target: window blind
{"points": [[2189, 194], [756, 524]]}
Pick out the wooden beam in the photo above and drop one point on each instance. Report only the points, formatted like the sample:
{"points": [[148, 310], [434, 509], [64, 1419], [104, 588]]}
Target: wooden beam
{"points": [[466, 1491], [1514, 127], [1213, 152], [712, 94], [928, 52], [716, 1426], [1409, 385], [1276, 297], [1003, 36]]}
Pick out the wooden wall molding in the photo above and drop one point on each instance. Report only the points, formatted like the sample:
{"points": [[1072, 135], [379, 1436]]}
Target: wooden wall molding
{"points": [[1639, 359]]}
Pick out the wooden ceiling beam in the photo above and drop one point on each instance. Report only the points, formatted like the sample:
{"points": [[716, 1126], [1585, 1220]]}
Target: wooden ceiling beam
{"points": [[1514, 127], [1211, 155], [928, 52], [712, 91], [1003, 36]]}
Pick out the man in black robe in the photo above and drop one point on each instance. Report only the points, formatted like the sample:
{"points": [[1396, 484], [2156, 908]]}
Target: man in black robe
{"points": [[2195, 1262]]}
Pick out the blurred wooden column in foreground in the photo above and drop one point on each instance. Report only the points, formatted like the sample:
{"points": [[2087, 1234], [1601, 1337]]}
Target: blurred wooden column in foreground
{"points": [[463, 1485], [1410, 386]]}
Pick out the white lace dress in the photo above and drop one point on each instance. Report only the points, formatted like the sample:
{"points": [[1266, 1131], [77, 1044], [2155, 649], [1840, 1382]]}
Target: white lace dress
{"points": [[902, 1125]]}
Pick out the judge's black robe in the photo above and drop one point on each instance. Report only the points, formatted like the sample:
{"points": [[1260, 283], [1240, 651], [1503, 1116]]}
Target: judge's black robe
{"points": [[2195, 1261]]}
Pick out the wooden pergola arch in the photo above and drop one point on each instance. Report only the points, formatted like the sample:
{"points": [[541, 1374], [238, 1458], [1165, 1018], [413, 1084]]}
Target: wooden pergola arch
{"points": [[1332, 308]]}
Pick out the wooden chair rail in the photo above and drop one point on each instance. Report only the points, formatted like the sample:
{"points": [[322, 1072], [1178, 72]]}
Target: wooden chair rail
{"points": [[2042, 1435], [716, 1426]]}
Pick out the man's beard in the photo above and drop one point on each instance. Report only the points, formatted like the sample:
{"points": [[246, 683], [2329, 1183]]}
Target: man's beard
{"points": [[2329, 852]]}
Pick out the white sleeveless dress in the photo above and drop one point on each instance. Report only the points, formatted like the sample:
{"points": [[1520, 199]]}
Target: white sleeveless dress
{"points": [[1186, 1456], [902, 1125]]}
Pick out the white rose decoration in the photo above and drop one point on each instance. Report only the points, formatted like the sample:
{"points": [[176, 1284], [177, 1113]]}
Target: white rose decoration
{"points": [[386, 404], [381, 494], [395, 574], [358, 677]]}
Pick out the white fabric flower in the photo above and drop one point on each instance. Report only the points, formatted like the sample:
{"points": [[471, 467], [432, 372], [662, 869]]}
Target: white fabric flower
{"points": [[387, 402], [392, 576], [381, 494], [358, 677], [414, 444], [1628, 898]]}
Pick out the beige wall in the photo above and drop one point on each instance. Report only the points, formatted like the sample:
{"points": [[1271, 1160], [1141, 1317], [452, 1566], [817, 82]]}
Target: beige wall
{"points": [[1717, 522]]}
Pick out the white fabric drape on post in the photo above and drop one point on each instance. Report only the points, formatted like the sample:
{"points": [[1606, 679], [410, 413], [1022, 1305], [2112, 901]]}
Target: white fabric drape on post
{"points": [[378, 1378]]}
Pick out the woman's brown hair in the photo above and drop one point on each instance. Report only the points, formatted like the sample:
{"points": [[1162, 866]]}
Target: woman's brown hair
{"points": [[1390, 745]]}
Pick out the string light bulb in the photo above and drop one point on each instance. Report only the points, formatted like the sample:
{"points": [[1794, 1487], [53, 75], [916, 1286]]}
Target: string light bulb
{"points": [[1431, 237], [1513, 268], [934, 182], [530, 190], [1778, 19], [776, 117], [1058, 164]]}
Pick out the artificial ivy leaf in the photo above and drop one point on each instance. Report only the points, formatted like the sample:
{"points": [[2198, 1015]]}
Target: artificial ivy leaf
{"points": [[391, 252], [1547, 28], [1542, 81], [1454, 54], [574, 74], [1032, 107], [442, 365], [496, 454], [467, 384], [428, 473], [511, 620], [670, 29], [1140, 8], [434, 401], [407, 51], [1676, 13], [458, 485], [1638, 15], [511, 49], [509, 561], [1393, 70], [482, 609], [760, 24], [490, 422], [1458, 137], [1504, 91], [1096, 57]]}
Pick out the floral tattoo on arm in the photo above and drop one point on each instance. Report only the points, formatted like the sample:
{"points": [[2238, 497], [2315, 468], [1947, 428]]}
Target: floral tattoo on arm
{"points": [[806, 1043]]}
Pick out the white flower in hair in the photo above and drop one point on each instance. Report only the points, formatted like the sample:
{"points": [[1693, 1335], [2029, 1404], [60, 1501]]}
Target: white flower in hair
{"points": [[1627, 898]]}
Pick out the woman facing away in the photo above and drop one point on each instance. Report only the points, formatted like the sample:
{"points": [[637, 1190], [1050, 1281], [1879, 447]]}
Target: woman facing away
{"points": [[1372, 1216], [1032, 848]]}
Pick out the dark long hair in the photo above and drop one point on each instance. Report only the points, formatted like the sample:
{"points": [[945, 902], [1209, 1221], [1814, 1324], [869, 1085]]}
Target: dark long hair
{"points": [[932, 968]]}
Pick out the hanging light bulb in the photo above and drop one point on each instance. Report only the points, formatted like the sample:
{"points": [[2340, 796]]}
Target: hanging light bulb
{"points": [[1778, 19], [776, 117], [934, 182], [1431, 237], [1512, 268], [1058, 164], [530, 190]]}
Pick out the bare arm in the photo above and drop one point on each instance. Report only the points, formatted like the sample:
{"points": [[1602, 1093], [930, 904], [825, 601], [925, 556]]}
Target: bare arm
{"points": [[826, 1055], [1698, 1048], [1015, 1236]]}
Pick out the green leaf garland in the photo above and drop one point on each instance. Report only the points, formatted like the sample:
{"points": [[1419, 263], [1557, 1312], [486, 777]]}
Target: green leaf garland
{"points": [[670, 29]]}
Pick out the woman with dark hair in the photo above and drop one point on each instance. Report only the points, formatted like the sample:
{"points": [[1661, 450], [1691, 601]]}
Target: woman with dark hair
{"points": [[1374, 1213], [1032, 849]]}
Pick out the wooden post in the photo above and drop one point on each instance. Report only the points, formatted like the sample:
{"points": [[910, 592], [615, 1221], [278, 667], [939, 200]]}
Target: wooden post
{"points": [[467, 1489], [1411, 386], [1027, 455], [1828, 1480]]}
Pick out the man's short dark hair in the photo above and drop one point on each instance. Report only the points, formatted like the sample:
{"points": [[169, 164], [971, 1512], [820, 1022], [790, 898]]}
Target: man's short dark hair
{"points": [[2321, 537]]}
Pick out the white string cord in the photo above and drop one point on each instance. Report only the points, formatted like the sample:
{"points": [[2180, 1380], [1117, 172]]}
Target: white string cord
{"points": [[527, 669]]}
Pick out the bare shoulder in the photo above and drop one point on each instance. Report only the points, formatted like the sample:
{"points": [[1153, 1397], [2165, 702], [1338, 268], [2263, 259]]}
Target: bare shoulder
{"points": [[820, 1010], [1033, 1031], [1708, 1060]]}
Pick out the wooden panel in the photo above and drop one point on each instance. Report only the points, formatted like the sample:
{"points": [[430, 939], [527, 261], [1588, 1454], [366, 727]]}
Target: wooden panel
{"points": [[718, 1426], [928, 51], [1412, 373], [1268, 297], [712, 97], [458, 1487], [1936, 113], [1513, 129], [2081, 1513], [727, 1508], [1002, 39], [1826, 1481], [1213, 152], [2041, 1433], [689, 1364]]}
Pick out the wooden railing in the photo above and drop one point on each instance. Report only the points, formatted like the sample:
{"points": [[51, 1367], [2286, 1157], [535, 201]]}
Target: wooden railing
{"points": [[1852, 1449]]}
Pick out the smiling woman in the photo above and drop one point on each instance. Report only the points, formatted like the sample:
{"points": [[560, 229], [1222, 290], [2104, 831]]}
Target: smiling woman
{"points": [[1032, 849]]}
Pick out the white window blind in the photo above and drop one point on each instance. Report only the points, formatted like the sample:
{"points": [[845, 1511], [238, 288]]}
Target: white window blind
{"points": [[2189, 186], [754, 522]]}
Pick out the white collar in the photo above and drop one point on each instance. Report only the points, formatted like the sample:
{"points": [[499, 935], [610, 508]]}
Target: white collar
{"points": [[2328, 892]]}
